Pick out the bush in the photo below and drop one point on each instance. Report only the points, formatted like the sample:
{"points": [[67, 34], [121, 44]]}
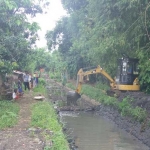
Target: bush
{"points": [[56, 76], [42, 81]]}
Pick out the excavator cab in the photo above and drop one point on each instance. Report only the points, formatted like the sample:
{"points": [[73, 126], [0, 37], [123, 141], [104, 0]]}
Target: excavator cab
{"points": [[127, 72]]}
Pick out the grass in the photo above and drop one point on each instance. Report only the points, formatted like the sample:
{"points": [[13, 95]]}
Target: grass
{"points": [[44, 116], [124, 107], [102, 86], [70, 85], [40, 88], [55, 76], [8, 114]]}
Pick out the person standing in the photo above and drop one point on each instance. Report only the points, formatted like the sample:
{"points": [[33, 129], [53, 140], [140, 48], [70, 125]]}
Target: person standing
{"points": [[26, 81], [34, 80], [30, 80], [20, 91], [37, 78]]}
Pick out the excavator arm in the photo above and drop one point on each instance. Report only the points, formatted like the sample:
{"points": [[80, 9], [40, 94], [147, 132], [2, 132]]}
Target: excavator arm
{"points": [[95, 70], [73, 96]]}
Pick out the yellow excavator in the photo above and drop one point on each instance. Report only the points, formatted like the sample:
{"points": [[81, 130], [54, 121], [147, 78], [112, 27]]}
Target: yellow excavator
{"points": [[125, 80]]}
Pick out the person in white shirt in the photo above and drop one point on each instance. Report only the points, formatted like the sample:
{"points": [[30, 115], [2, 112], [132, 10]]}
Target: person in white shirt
{"points": [[26, 79], [15, 95]]}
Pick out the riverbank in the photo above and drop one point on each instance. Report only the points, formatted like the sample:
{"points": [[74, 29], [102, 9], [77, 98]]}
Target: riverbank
{"points": [[126, 123]]}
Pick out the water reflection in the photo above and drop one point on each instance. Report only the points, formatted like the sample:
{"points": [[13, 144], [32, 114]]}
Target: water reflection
{"points": [[93, 132]]}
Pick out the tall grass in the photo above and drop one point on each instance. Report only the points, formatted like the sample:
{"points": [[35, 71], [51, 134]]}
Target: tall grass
{"points": [[8, 114]]}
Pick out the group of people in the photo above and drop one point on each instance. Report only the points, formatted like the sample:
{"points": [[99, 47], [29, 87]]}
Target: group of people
{"points": [[29, 82]]}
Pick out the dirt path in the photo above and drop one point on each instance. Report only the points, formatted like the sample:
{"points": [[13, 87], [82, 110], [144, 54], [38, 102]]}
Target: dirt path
{"points": [[19, 137]]}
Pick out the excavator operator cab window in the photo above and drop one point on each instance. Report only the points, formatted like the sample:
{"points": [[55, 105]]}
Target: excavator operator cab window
{"points": [[124, 68], [129, 68], [136, 69]]}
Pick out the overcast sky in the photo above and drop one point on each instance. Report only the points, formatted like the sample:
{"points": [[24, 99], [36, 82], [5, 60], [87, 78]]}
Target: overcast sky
{"points": [[48, 21]]}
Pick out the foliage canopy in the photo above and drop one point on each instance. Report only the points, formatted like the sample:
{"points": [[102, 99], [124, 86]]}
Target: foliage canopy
{"points": [[100, 32], [18, 36]]}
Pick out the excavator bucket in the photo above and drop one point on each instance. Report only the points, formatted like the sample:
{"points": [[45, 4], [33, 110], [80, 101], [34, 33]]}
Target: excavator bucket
{"points": [[72, 98], [113, 93]]}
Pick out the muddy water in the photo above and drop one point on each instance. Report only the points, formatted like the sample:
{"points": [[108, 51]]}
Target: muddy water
{"points": [[92, 132]]}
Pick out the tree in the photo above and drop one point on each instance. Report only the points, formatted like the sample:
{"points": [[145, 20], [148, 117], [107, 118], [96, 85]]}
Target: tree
{"points": [[17, 34]]}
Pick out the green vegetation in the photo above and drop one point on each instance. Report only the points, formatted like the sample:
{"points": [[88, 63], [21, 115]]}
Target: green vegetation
{"points": [[44, 116], [91, 33], [8, 114], [99, 32], [71, 85], [56, 76], [40, 88], [17, 34], [101, 86], [125, 107], [42, 81]]}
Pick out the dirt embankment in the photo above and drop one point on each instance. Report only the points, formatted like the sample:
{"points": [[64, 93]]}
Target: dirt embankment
{"points": [[138, 99]]}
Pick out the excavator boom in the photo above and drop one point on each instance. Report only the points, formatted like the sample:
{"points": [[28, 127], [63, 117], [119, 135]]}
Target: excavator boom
{"points": [[73, 96], [96, 70]]}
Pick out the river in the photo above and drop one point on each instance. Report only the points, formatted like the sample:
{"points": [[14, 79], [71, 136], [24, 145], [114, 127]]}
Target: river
{"points": [[93, 132]]}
